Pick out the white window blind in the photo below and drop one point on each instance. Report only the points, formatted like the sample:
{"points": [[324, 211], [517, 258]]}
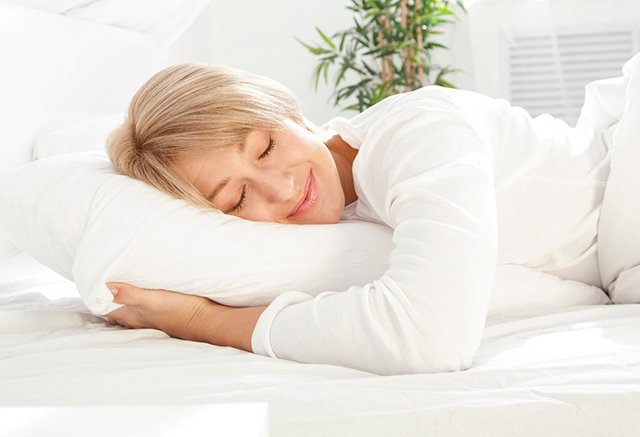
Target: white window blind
{"points": [[547, 73]]}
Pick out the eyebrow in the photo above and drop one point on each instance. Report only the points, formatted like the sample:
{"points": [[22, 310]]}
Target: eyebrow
{"points": [[224, 182]]}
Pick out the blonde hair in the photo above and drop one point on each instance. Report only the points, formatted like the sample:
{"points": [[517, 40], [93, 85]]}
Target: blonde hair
{"points": [[191, 109]]}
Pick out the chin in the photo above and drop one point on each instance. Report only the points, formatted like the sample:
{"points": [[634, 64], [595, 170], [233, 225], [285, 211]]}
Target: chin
{"points": [[331, 218], [318, 221], [329, 221]]}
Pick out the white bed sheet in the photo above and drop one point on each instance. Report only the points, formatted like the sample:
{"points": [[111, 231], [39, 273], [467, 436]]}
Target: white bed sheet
{"points": [[552, 373]]}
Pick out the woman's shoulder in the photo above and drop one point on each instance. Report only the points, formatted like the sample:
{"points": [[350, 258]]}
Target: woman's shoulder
{"points": [[354, 129], [428, 98]]}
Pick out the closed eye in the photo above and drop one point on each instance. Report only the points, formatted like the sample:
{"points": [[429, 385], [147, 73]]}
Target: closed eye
{"points": [[268, 149], [243, 196], [240, 203]]}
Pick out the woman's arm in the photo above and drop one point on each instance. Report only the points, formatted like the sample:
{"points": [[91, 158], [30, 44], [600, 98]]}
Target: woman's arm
{"points": [[184, 316], [426, 171], [428, 174]]}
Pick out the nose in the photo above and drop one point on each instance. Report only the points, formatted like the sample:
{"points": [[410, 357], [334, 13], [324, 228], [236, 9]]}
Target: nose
{"points": [[278, 186]]}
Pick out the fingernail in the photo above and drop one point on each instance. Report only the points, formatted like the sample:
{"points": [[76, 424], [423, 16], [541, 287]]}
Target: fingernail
{"points": [[114, 290]]}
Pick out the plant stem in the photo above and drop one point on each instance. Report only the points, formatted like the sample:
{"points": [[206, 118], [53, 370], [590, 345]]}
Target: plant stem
{"points": [[419, 45], [406, 54]]}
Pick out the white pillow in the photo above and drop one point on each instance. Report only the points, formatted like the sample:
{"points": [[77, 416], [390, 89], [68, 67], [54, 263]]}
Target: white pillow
{"points": [[63, 71], [58, 71], [76, 215], [86, 136]]}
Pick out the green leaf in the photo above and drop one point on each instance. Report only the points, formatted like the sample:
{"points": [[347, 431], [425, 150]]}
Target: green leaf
{"points": [[445, 11], [460, 4], [344, 35], [421, 19], [443, 72], [326, 73], [324, 37], [444, 83], [358, 83], [385, 51], [372, 71], [432, 45], [316, 75], [315, 50], [375, 14], [402, 44], [340, 76]]}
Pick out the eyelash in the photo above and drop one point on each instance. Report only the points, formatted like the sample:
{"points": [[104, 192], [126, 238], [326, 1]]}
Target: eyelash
{"points": [[240, 204], [243, 196], [269, 149]]}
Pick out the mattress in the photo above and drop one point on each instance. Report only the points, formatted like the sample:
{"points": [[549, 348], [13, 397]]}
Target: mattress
{"points": [[557, 372]]}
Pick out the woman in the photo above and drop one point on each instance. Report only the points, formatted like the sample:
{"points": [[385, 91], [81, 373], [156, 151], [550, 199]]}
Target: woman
{"points": [[444, 168]]}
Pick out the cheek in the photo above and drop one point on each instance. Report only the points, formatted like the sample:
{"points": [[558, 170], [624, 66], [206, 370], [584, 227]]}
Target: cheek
{"points": [[325, 160], [333, 204], [335, 215], [332, 176]]}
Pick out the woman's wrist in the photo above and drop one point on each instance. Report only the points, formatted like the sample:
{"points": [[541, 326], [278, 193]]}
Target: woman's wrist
{"points": [[188, 317], [225, 326]]}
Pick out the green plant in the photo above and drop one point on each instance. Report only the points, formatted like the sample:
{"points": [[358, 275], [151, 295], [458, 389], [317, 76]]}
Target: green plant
{"points": [[386, 52]]}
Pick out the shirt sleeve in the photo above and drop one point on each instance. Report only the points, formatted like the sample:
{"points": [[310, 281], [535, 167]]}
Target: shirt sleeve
{"points": [[426, 172]]}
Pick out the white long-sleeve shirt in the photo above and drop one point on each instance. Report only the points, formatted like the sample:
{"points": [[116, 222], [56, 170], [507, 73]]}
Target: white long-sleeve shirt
{"points": [[445, 169]]}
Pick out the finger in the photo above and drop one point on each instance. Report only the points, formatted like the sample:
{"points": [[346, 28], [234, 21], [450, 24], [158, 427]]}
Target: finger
{"points": [[126, 294], [116, 322]]}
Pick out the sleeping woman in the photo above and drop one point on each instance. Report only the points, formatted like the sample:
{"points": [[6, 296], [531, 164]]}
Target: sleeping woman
{"points": [[466, 182]]}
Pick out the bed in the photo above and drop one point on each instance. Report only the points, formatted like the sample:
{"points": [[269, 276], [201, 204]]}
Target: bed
{"points": [[569, 372], [571, 368]]}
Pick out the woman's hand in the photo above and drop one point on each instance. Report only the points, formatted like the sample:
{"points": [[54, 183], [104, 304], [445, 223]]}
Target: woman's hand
{"points": [[184, 316]]}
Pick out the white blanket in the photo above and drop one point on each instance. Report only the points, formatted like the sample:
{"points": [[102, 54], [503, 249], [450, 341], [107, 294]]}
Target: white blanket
{"points": [[617, 102], [553, 373], [465, 182]]}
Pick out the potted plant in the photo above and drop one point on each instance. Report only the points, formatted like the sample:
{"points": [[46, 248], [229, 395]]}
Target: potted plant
{"points": [[386, 52]]}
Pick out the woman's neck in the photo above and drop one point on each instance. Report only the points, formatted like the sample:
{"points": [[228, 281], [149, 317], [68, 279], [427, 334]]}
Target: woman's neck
{"points": [[344, 155]]}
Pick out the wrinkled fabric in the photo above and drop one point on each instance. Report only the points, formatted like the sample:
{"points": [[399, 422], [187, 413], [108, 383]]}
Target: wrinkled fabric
{"points": [[619, 227], [467, 183], [569, 372]]}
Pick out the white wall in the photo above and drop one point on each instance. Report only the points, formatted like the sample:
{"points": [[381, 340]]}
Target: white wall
{"points": [[259, 36], [477, 37]]}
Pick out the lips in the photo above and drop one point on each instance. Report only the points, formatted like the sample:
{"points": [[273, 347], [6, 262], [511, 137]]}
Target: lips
{"points": [[308, 199]]}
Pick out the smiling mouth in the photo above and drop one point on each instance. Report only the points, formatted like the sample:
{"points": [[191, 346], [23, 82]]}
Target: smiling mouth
{"points": [[308, 199]]}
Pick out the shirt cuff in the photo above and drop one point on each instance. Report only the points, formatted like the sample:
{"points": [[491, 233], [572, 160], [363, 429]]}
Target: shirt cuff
{"points": [[260, 340]]}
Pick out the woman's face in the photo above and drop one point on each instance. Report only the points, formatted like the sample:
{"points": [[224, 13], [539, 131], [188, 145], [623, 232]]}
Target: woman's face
{"points": [[287, 176]]}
